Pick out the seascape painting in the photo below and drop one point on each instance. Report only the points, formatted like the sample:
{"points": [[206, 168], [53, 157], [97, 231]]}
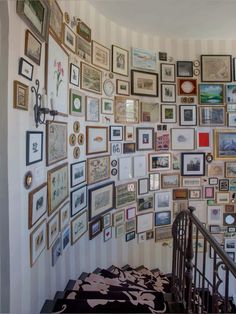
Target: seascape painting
{"points": [[144, 59]]}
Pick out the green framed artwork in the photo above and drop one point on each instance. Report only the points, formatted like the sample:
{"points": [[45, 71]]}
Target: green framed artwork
{"points": [[77, 103]]}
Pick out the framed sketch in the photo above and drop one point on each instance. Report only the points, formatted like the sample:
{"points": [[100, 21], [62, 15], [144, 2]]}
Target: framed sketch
{"points": [[168, 113], [116, 132], [193, 164], [120, 60], [187, 115], [77, 103], [168, 93], [56, 20], [74, 74], [182, 138], [216, 68], [37, 204], [167, 72], [34, 147], [33, 47], [224, 144], [215, 214], [101, 199], [187, 87], [57, 75], [154, 181], [21, 96], [144, 83], [170, 180], [126, 110], [163, 200], [83, 49], [26, 69], [162, 141], [149, 112], [69, 38], [230, 169], [53, 229], [211, 94], [145, 138], [78, 173], [79, 226], [159, 162], [163, 218], [92, 109], [107, 106], [143, 186], [118, 217], [125, 194], [100, 56], [58, 189], [125, 168], [144, 222], [91, 78], [212, 116], [78, 200], [122, 87], [37, 242], [145, 203], [65, 215], [185, 68], [144, 59], [139, 164], [84, 31], [129, 133], [98, 169], [97, 140]]}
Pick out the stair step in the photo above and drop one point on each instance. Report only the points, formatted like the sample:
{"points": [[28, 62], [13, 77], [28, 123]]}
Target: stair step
{"points": [[111, 268], [59, 295], [47, 307], [126, 267], [97, 271], [70, 285]]}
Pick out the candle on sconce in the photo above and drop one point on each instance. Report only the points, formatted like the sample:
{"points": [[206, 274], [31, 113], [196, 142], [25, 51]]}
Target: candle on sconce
{"points": [[44, 100], [52, 101]]}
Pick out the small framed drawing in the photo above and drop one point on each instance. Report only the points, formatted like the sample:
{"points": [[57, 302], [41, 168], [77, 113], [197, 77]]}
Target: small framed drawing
{"points": [[230, 97], [126, 110], [92, 109], [130, 213], [77, 103], [230, 169], [107, 106], [187, 115], [21, 96], [154, 181], [167, 72], [159, 162], [231, 119], [78, 200], [37, 242], [116, 132], [211, 94], [90, 78], [120, 60], [182, 138], [69, 38], [143, 186], [125, 194], [144, 222], [149, 112], [168, 92], [130, 236], [107, 220], [74, 74], [185, 68], [100, 56], [118, 217], [79, 226], [98, 169], [107, 234], [129, 133], [168, 113], [53, 229], [65, 215], [26, 69], [215, 214], [145, 138], [116, 148], [122, 87], [139, 165], [170, 180], [187, 87], [97, 140], [37, 204], [129, 148], [212, 116], [125, 168], [34, 147], [192, 164], [216, 68], [77, 173], [224, 144], [144, 83], [163, 218], [163, 200], [144, 59], [33, 47], [84, 31]]}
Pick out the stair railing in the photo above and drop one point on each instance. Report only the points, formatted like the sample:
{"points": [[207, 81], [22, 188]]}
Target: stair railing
{"points": [[202, 283]]}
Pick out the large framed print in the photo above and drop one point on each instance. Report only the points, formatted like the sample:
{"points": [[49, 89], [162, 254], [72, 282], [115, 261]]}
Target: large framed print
{"points": [[56, 20], [167, 72], [98, 169], [144, 83], [57, 75], [216, 68], [56, 142], [144, 59], [193, 164], [58, 189], [144, 222], [79, 226], [37, 242], [77, 173], [145, 138], [37, 204], [182, 139], [187, 115], [125, 194], [149, 112], [168, 93], [36, 15], [34, 147], [212, 116], [101, 199], [224, 144], [120, 60], [100, 56], [211, 94], [78, 200], [126, 110], [97, 140], [90, 78], [33, 47], [159, 162]]}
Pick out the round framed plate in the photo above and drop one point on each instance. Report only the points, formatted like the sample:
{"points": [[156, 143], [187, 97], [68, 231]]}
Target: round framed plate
{"points": [[81, 139], [76, 152], [196, 63], [114, 171], [114, 163], [109, 88], [187, 87], [196, 72], [72, 139], [76, 127]]}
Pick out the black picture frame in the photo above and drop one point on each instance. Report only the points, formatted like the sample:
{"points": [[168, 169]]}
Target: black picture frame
{"points": [[184, 68], [197, 168], [82, 163], [74, 81], [185, 115], [73, 210], [143, 75], [29, 158], [112, 137], [130, 236], [23, 62]]}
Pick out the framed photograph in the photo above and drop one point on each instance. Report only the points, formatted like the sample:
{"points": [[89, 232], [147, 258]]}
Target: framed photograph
{"points": [[120, 230], [187, 115], [107, 234], [78, 173], [130, 225], [203, 139], [107, 106], [209, 192], [187, 87], [230, 169], [159, 162], [224, 144], [139, 166], [129, 148], [144, 222], [162, 142], [84, 31], [107, 220], [125, 168], [21, 96], [37, 242], [180, 194], [192, 164], [97, 140], [95, 227], [129, 134], [83, 49], [79, 226], [154, 181], [145, 203], [211, 94], [149, 112], [167, 72], [130, 236], [36, 15], [116, 132], [182, 138], [191, 182], [195, 194], [144, 59], [65, 215], [215, 215], [74, 74], [77, 103], [168, 113], [120, 60], [168, 92], [216, 68], [163, 218], [163, 200], [125, 194], [92, 109], [34, 147], [78, 200], [145, 138], [58, 189], [126, 110], [185, 68], [170, 180], [222, 198], [212, 116], [69, 38], [118, 217], [90, 78], [130, 213], [53, 229], [26, 69], [144, 83], [33, 47], [37, 204], [143, 186], [100, 56], [98, 169], [122, 87], [101, 199]]}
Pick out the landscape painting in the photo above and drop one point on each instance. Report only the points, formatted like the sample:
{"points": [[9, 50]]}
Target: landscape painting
{"points": [[225, 144], [211, 94], [144, 59]]}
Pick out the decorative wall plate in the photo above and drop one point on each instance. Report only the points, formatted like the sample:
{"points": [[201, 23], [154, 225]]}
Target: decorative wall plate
{"points": [[76, 126], [76, 152], [109, 88], [81, 139], [72, 139]]}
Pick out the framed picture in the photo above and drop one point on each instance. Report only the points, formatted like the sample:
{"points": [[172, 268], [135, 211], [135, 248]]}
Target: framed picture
{"points": [[159, 162], [144, 222], [195, 194], [78, 200], [212, 116], [107, 234], [90, 79], [230, 169], [187, 87], [118, 217], [163, 233], [213, 181], [126, 110], [209, 192], [130, 225], [122, 87], [162, 142], [139, 166], [144, 83], [74, 74], [79, 226], [163, 200], [120, 60], [231, 107], [101, 199], [163, 218], [216, 68], [214, 229], [65, 238], [100, 56], [34, 147], [36, 15], [182, 139], [108, 88], [33, 47], [130, 236], [211, 94], [168, 113], [98, 169], [21, 96], [162, 56], [191, 182], [107, 220], [26, 69], [130, 213], [222, 198], [77, 103], [168, 92], [231, 119], [129, 148], [37, 242], [145, 138], [167, 72], [107, 106], [84, 31], [215, 169], [203, 139], [69, 38], [125, 168], [116, 132], [83, 49], [92, 109], [57, 75], [144, 59], [180, 194], [58, 189], [232, 229], [230, 97], [149, 112], [116, 148], [143, 186], [65, 215], [223, 185], [154, 181], [56, 20], [56, 250], [78, 173], [97, 140], [53, 229], [125, 194], [224, 144], [170, 180], [120, 230], [187, 115], [185, 68], [145, 203], [192, 164], [229, 219], [37, 204], [129, 133], [215, 215]]}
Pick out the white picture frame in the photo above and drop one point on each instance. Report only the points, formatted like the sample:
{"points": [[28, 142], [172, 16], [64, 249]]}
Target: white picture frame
{"points": [[162, 200], [182, 139], [125, 168], [140, 166], [144, 222]]}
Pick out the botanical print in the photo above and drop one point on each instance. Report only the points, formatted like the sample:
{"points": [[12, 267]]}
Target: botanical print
{"points": [[58, 73], [56, 142]]}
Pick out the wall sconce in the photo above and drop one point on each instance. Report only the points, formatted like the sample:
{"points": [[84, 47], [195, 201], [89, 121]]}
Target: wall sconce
{"points": [[41, 108]]}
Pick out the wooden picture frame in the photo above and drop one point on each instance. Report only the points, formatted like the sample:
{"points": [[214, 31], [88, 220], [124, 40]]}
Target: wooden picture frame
{"points": [[159, 162], [34, 147], [79, 200], [83, 49], [211, 94], [37, 242], [26, 69], [20, 96], [69, 38], [170, 180], [79, 226], [65, 215], [56, 20], [216, 68], [90, 78], [126, 110], [122, 87], [118, 217], [193, 164], [78, 173], [120, 60], [168, 113], [154, 181], [129, 133], [100, 56], [92, 109], [107, 106], [163, 218], [144, 222], [98, 169], [188, 115], [143, 186], [210, 116], [116, 133], [33, 47], [144, 83], [95, 227], [37, 204], [230, 169], [74, 74], [96, 140]]}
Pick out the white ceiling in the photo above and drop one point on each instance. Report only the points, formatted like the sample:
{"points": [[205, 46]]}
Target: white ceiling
{"points": [[173, 18]]}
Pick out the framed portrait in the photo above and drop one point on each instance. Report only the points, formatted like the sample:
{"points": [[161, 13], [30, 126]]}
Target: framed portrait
{"points": [[139, 166], [58, 189], [162, 141], [126, 110], [90, 78], [107, 106], [37, 242], [57, 75], [77, 103], [230, 97], [34, 147], [149, 112], [145, 138], [26, 69], [154, 181], [163, 218], [180, 194], [211, 94], [170, 180], [69, 38], [97, 140], [118, 217], [193, 164], [79, 226], [33, 47], [129, 133], [144, 83], [107, 220], [21, 96], [130, 213], [216, 68], [212, 116], [101, 199], [215, 214], [187, 115], [95, 227], [129, 148], [122, 87], [36, 15], [78, 199], [187, 87], [143, 186], [144, 222], [107, 234], [163, 200], [167, 72], [100, 56], [56, 20], [144, 59], [168, 93], [83, 49], [230, 169], [224, 144], [159, 162], [53, 229], [182, 138], [65, 215], [185, 68], [92, 109], [78, 173], [84, 31], [120, 60], [125, 194], [74, 74], [168, 113], [125, 168], [145, 203], [98, 169], [116, 132], [37, 204], [194, 194]]}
